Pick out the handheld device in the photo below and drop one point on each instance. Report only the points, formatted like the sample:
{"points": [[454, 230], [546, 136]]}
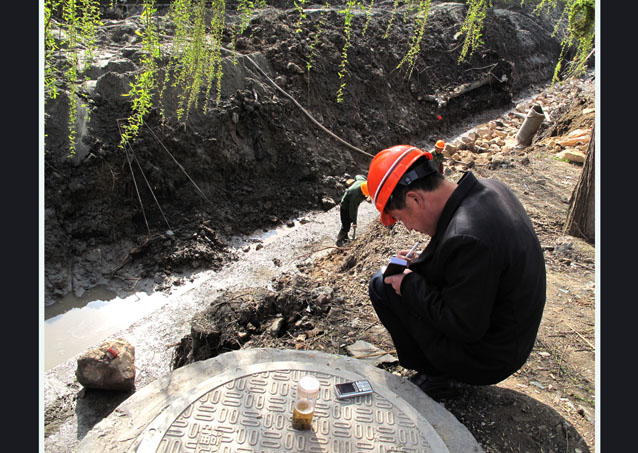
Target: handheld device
{"points": [[398, 265], [353, 388], [395, 266]]}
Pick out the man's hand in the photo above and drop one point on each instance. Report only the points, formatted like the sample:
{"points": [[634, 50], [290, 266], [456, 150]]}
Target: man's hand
{"points": [[396, 279], [403, 255]]}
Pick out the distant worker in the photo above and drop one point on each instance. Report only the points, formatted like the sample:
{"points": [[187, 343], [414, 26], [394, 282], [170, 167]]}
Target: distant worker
{"points": [[352, 198], [437, 155], [467, 309]]}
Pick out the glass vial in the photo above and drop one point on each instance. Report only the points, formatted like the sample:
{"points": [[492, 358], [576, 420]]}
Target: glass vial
{"points": [[304, 408]]}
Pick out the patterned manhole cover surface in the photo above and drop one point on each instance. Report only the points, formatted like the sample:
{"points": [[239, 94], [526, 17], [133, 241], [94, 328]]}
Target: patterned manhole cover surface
{"points": [[250, 409]]}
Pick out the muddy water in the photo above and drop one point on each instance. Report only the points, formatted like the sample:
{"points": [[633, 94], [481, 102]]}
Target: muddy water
{"points": [[78, 323]]}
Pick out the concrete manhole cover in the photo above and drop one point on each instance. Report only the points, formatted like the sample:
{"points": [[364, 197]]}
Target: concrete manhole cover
{"points": [[249, 410]]}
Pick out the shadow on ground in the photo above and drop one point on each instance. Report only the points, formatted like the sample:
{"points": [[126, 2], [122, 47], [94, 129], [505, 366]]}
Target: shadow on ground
{"points": [[521, 422], [93, 405]]}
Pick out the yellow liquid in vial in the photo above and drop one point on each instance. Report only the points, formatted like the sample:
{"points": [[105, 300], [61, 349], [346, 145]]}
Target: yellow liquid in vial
{"points": [[302, 415]]}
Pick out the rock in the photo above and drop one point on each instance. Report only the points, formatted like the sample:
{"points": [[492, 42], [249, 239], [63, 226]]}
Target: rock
{"points": [[450, 150], [370, 353], [276, 327], [111, 87], [109, 64], [327, 203], [323, 294], [294, 68], [572, 155], [482, 159], [110, 366], [575, 137], [483, 131]]}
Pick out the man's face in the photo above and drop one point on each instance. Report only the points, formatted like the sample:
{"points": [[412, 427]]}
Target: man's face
{"points": [[417, 214]]}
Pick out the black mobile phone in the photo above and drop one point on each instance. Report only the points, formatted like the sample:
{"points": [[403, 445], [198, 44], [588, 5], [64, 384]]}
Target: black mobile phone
{"points": [[353, 388]]}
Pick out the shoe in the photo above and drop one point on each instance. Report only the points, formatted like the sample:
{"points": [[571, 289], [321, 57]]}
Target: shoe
{"points": [[437, 386], [342, 237]]}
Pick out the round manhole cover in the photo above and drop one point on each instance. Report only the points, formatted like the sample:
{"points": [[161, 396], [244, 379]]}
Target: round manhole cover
{"points": [[249, 410]]}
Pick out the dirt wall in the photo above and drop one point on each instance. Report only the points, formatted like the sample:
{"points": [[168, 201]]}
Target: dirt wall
{"points": [[255, 159]]}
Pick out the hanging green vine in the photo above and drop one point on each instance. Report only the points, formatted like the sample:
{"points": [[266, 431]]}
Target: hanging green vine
{"points": [[318, 29], [421, 17], [347, 31], [580, 33], [299, 4], [193, 66], [395, 7], [193, 62], [50, 48], [195, 59], [80, 19], [368, 9], [246, 9], [143, 88], [472, 27], [215, 70]]}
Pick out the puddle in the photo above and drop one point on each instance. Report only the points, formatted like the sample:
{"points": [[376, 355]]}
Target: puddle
{"points": [[80, 328], [70, 301], [75, 324]]}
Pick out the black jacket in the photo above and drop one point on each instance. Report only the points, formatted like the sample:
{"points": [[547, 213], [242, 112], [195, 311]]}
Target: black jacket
{"points": [[479, 285]]}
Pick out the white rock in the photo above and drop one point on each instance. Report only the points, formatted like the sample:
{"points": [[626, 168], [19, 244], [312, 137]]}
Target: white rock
{"points": [[109, 366], [483, 131], [572, 155]]}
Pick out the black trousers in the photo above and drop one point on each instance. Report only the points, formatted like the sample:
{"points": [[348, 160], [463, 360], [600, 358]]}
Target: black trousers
{"points": [[404, 328], [346, 221]]}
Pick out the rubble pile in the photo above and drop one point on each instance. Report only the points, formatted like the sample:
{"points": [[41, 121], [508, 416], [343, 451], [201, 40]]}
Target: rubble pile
{"points": [[493, 144]]}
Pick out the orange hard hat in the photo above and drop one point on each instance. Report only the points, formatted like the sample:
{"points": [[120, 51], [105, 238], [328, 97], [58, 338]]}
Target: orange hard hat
{"points": [[364, 188], [386, 170], [440, 144]]}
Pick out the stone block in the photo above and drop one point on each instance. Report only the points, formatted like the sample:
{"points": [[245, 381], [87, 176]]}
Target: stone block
{"points": [[109, 366]]}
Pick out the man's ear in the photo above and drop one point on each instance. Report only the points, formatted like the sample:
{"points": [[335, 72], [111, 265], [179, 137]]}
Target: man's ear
{"points": [[414, 198]]}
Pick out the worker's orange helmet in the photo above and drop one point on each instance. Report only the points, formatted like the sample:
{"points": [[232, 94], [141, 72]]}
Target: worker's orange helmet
{"points": [[386, 170], [440, 144], [364, 188]]}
